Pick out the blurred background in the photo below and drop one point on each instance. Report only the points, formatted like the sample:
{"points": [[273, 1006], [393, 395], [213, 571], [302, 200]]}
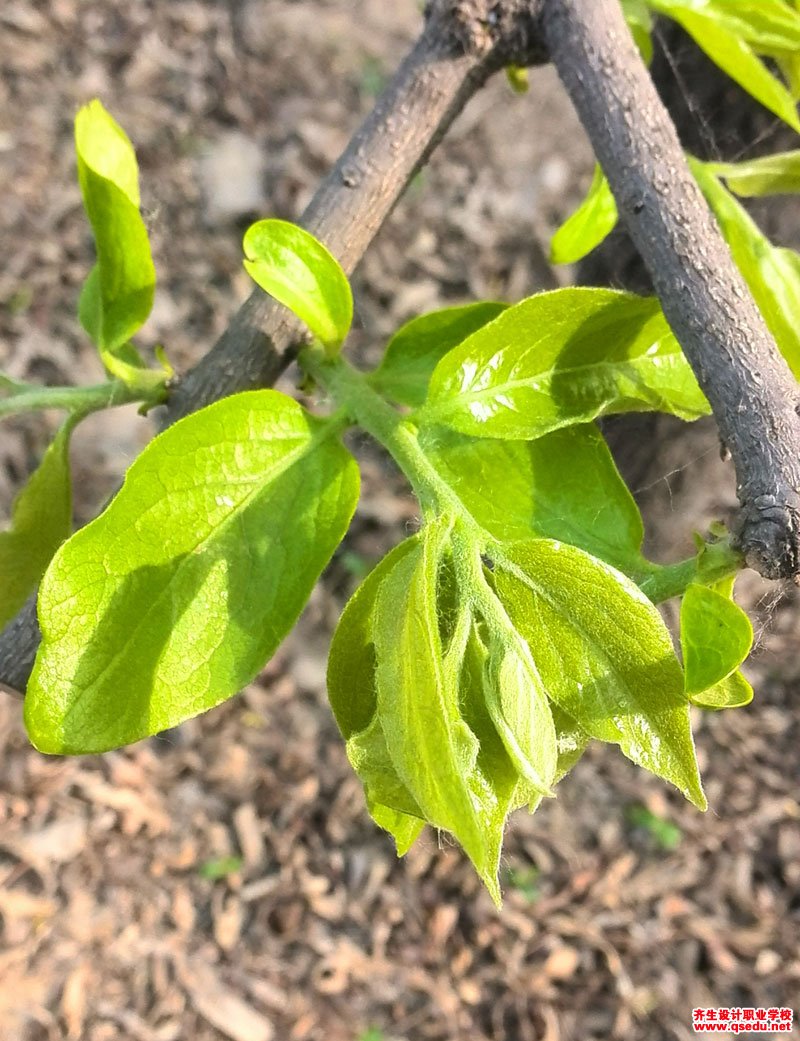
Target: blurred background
{"points": [[224, 881]]}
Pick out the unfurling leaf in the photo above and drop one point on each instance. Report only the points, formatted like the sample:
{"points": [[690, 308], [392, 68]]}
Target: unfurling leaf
{"points": [[562, 358], [174, 598], [118, 294], [41, 520], [294, 267], [716, 637]]}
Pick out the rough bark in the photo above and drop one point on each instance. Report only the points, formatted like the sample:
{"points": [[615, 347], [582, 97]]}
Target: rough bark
{"points": [[749, 386]]}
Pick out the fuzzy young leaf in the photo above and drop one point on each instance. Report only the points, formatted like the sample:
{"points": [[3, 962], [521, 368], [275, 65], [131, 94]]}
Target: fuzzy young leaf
{"points": [[118, 294], [174, 598], [294, 267], [732, 45], [732, 692], [41, 520], [353, 698], [430, 745], [604, 655], [562, 358], [772, 273], [417, 347], [563, 485], [588, 226], [777, 174], [716, 637]]}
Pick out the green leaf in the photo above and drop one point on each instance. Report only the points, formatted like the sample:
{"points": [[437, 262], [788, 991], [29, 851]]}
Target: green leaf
{"points": [[640, 22], [732, 49], [118, 294], [563, 486], [294, 267], [777, 174], [604, 655], [768, 25], [174, 598], [417, 347], [586, 228], [716, 637], [41, 520], [430, 745], [562, 358], [732, 692], [772, 273], [353, 698], [517, 705]]}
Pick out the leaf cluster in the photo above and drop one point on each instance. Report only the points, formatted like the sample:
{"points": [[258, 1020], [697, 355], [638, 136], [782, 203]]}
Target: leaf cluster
{"points": [[477, 661]]}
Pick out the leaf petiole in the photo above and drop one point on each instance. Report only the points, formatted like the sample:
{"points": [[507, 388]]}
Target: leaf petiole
{"points": [[28, 397]]}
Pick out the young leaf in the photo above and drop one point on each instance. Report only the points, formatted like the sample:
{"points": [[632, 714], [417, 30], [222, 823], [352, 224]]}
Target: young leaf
{"points": [[777, 174], [728, 48], [732, 692], [772, 274], [563, 486], [41, 519], [586, 228], [604, 655], [294, 267], [417, 347], [716, 637], [769, 25], [430, 745], [353, 698], [174, 598], [118, 294], [562, 358]]}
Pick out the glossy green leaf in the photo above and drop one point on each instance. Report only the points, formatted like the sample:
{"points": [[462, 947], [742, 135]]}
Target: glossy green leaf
{"points": [[732, 692], [586, 228], [777, 174], [716, 637], [563, 486], [604, 655], [563, 358], [417, 347], [118, 294], [294, 267], [41, 520], [772, 273], [640, 22], [733, 50], [178, 593]]}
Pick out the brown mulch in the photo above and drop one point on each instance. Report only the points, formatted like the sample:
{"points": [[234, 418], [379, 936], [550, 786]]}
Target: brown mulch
{"points": [[112, 924]]}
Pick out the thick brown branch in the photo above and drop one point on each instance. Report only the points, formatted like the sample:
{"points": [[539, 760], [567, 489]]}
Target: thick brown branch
{"points": [[750, 388], [462, 44]]}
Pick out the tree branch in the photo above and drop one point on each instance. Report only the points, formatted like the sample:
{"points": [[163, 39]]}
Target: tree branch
{"points": [[748, 384], [463, 42]]}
